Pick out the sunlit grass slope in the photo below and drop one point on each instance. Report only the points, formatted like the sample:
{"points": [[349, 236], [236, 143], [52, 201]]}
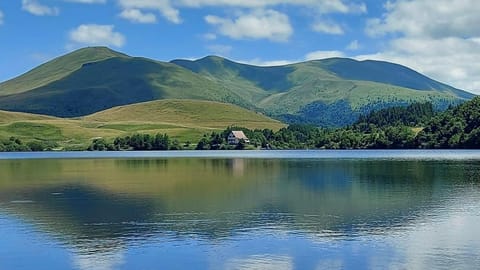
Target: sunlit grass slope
{"points": [[56, 69], [184, 120], [192, 113], [6, 116]]}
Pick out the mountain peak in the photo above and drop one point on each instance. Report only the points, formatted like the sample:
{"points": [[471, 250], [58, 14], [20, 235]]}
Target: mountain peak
{"points": [[56, 69], [95, 52]]}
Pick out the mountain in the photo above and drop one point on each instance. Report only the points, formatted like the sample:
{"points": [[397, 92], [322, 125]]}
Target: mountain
{"points": [[56, 69], [328, 92], [119, 80]]}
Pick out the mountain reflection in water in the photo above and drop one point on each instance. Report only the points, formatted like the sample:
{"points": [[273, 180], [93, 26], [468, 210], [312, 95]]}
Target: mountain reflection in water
{"points": [[219, 213]]}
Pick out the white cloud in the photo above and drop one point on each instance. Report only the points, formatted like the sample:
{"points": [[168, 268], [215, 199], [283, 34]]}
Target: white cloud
{"points": [[163, 6], [218, 49], [450, 60], [94, 34], [436, 19], [209, 36], [259, 24], [325, 6], [353, 46], [268, 63], [170, 8], [316, 55], [266, 262], [35, 8], [135, 15], [328, 28], [88, 1], [437, 38], [113, 259], [1, 17]]}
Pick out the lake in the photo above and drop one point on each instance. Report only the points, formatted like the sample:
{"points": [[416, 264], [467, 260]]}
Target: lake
{"points": [[240, 210]]}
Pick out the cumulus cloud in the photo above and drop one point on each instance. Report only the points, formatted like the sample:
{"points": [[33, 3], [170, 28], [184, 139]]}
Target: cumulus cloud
{"points": [[436, 19], [328, 28], [258, 24], [135, 15], [209, 36], [88, 1], [329, 6], [438, 38], [94, 34], [163, 6], [219, 49], [35, 8], [170, 8], [266, 262], [353, 46], [315, 55], [323, 54], [268, 63]]}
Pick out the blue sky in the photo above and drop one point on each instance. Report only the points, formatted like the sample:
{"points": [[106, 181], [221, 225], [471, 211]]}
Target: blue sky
{"points": [[439, 38]]}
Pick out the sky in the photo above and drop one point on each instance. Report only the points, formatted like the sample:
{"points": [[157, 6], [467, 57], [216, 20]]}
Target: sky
{"points": [[439, 38]]}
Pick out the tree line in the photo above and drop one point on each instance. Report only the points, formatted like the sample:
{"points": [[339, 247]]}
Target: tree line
{"points": [[14, 144]]}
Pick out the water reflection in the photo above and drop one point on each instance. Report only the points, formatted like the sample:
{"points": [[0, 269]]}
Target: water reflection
{"points": [[256, 213]]}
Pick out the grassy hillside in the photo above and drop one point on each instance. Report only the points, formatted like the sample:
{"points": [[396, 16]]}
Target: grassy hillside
{"points": [[194, 113], [184, 120], [6, 117], [56, 69], [113, 82]]}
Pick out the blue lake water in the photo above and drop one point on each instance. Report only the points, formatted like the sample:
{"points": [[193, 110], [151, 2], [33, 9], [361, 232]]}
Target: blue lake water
{"points": [[410, 209]]}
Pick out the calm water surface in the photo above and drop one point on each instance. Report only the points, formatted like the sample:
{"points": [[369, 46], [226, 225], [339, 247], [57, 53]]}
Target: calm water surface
{"points": [[241, 210]]}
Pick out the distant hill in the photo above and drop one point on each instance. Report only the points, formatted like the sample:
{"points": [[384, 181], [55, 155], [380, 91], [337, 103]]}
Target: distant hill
{"points": [[328, 92], [6, 116], [193, 113], [183, 120]]}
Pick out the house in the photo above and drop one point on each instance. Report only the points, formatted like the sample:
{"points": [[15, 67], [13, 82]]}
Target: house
{"points": [[235, 136]]}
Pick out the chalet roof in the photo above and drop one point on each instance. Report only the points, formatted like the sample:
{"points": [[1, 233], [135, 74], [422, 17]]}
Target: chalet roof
{"points": [[239, 134]]}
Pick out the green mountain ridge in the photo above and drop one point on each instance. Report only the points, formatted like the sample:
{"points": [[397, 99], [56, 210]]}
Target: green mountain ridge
{"points": [[329, 92]]}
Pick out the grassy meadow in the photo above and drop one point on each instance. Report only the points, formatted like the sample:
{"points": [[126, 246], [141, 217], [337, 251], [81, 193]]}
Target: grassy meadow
{"points": [[183, 120]]}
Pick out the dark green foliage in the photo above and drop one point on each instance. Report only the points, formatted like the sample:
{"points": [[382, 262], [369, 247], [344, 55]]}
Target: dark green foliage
{"points": [[99, 144], [13, 144], [203, 144], [138, 142], [241, 145], [37, 146], [457, 127], [413, 115]]}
